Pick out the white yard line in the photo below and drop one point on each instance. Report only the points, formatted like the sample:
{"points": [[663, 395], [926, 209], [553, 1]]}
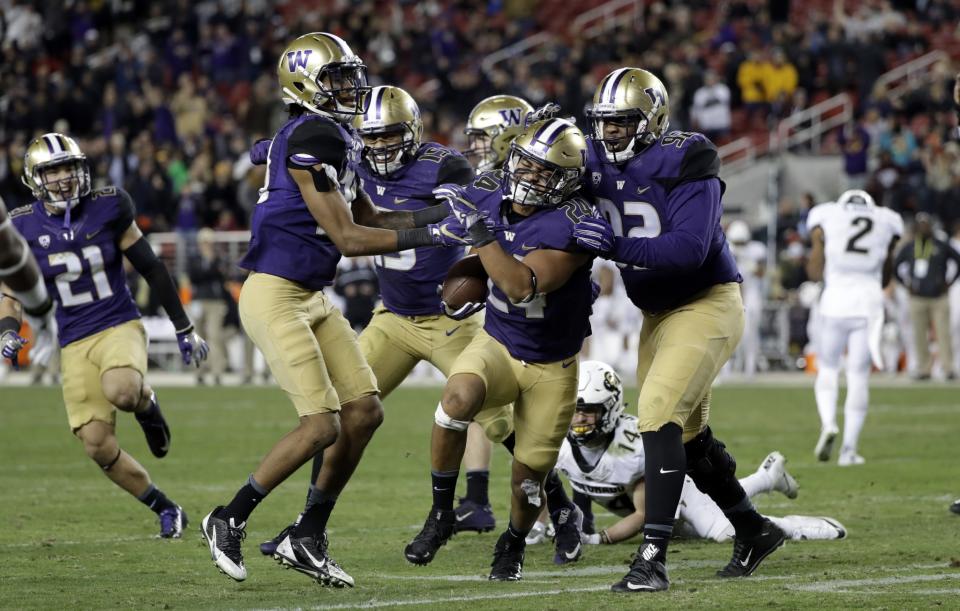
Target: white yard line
{"points": [[855, 586]]}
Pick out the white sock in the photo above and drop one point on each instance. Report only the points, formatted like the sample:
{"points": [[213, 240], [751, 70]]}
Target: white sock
{"points": [[855, 408], [756, 483], [826, 390]]}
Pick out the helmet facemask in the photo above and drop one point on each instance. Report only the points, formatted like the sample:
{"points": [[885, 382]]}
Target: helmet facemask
{"points": [[480, 151], [586, 432], [632, 133], [343, 89], [59, 189], [385, 159], [532, 181]]}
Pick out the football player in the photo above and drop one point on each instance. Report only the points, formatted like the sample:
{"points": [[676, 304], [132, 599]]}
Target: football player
{"points": [[751, 257], [399, 172], [80, 237], [520, 222], [603, 458], [309, 213], [491, 126], [21, 276], [852, 251], [659, 194]]}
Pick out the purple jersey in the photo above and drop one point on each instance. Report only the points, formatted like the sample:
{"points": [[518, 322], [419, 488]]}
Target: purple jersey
{"points": [[409, 279], [669, 194], [285, 239], [82, 265], [552, 326]]}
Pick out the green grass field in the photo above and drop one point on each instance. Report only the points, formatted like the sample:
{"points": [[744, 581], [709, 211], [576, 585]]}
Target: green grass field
{"points": [[70, 539]]}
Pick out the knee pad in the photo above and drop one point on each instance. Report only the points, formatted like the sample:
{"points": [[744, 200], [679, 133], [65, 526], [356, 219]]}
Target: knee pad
{"points": [[708, 462], [444, 421]]}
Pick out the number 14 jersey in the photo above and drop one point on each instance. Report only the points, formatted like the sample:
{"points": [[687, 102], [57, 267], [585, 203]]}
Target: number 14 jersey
{"points": [[856, 241]]}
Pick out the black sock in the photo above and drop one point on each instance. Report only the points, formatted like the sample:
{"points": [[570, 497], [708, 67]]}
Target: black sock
{"points": [[665, 471], [314, 519], [156, 500], [245, 501], [478, 487], [444, 489], [557, 498], [516, 537], [744, 518], [510, 442], [147, 415], [584, 502], [315, 467]]}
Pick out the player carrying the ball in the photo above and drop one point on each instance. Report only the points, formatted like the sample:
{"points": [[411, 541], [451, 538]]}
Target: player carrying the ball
{"points": [[520, 222]]}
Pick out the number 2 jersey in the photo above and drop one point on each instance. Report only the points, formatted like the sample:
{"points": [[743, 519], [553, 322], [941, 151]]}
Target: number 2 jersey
{"points": [[82, 264], [285, 239], [661, 195], [552, 326], [409, 279], [857, 238], [609, 475]]}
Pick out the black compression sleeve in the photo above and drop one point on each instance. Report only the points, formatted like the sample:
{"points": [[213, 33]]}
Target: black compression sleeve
{"points": [[153, 270], [413, 238], [433, 214]]}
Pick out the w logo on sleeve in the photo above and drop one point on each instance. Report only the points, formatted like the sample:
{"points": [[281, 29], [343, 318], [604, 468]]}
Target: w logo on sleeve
{"points": [[298, 59]]}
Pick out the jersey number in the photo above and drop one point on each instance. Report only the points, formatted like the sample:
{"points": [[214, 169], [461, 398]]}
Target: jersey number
{"points": [[865, 224], [402, 261], [650, 227], [532, 309], [74, 269]]}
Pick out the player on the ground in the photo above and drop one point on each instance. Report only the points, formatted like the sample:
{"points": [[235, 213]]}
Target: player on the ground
{"points": [[399, 172], [23, 280], [491, 126], [852, 251], [603, 458], [660, 194], [80, 237], [309, 213], [520, 222]]}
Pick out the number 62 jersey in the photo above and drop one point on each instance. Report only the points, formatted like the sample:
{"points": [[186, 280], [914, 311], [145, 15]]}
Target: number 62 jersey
{"points": [[82, 264], [857, 239]]}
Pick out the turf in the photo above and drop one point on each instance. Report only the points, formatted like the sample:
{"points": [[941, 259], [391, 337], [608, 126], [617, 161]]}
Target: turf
{"points": [[70, 539]]}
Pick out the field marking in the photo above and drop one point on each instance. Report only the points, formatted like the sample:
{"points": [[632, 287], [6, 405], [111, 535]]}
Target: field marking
{"points": [[841, 586]]}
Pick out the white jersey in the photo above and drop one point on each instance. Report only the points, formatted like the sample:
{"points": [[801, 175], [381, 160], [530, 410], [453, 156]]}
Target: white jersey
{"points": [[751, 259], [608, 479], [856, 242]]}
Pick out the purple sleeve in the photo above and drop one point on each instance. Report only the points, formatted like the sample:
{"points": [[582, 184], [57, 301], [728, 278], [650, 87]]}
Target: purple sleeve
{"points": [[695, 213]]}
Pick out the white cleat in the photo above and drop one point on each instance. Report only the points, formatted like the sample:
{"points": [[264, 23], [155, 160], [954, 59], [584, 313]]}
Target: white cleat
{"points": [[849, 458], [774, 465], [540, 532], [224, 539], [811, 528], [825, 444]]}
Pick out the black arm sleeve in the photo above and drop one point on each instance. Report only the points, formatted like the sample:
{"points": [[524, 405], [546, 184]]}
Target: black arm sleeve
{"points": [[455, 169], [158, 277]]}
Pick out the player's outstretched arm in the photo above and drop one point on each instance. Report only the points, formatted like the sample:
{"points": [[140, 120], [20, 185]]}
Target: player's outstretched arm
{"points": [[628, 526], [365, 213], [329, 209], [140, 254]]}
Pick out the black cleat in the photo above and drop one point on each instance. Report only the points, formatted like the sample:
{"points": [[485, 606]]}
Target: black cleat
{"points": [[309, 556], [569, 525], [955, 507], [748, 553], [155, 428], [435, 533], [269, 548], [224, 538], [507, 562], [644, 575]]}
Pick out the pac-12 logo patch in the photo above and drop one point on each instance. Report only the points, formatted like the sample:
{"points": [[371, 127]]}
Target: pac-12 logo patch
{"points": [[597, 176], [44, 241]]}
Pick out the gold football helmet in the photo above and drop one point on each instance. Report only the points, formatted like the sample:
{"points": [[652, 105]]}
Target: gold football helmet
{"points": [[391, 112], [63, 191], [545, 163], [320, 72], [635, 105], [491, 127]]}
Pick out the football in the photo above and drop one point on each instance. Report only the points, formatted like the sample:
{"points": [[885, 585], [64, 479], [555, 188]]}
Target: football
{"points": [[465, 282]]}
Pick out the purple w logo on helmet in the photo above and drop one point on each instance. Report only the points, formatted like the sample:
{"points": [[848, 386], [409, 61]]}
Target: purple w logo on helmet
{"points": [[511, 115], [298, 59]]}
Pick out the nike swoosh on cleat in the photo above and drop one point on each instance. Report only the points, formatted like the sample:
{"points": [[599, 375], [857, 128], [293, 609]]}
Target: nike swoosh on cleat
{"points": [[746, 560], [573, 554], [665, 471], [464, 516], [453, 330], [638, 586]]}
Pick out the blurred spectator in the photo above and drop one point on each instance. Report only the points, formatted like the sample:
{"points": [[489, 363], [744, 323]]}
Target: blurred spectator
{"points": [[922, 267], [750, 78], [208, 273], [356, 283], [711, 107], [854, 141], [779, 82]]}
